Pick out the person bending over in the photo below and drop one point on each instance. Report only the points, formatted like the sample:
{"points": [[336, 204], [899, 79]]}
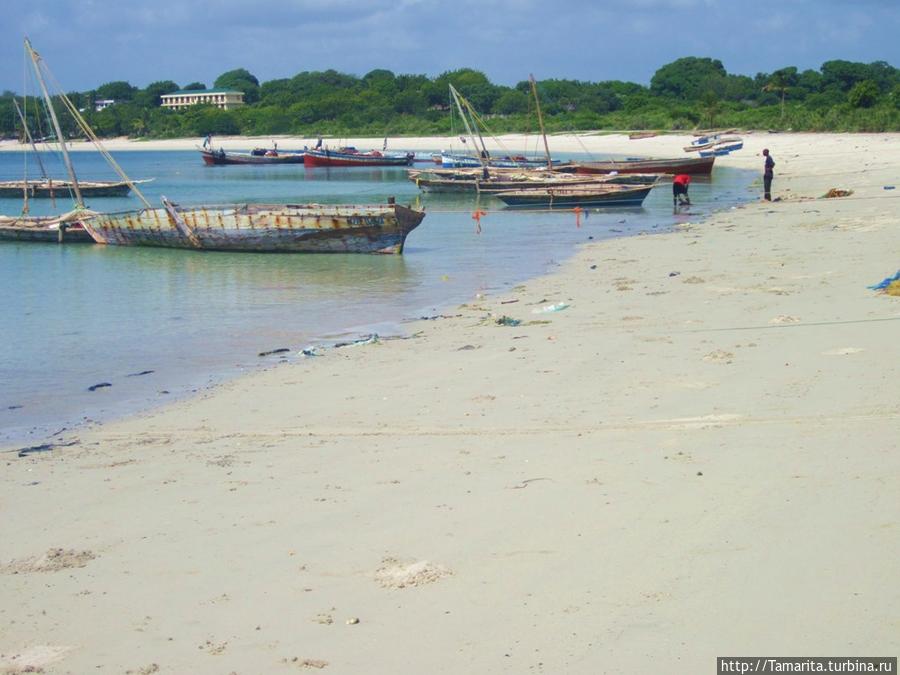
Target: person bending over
{"points": [[680, 190]]}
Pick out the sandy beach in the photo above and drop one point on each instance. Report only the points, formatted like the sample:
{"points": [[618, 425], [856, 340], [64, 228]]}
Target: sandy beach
{"points": [[696, 457]]}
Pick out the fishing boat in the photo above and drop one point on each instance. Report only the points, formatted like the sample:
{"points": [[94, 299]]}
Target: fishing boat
{"points": [[50, 188], [264, 228], [255, 157], [709, 142], [502, 180], [690, 165], [585, 196], [481, 156], [350, 156], [451, 161], [65, 229], [722, 148]]}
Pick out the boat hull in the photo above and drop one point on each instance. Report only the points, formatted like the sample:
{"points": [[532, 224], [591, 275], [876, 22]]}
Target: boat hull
{"points": [[449, 161], [61, 188], [218, 159], [566, 199], [430, 181], [34, 230], [274, 228], [314, 158], [689, 165]]}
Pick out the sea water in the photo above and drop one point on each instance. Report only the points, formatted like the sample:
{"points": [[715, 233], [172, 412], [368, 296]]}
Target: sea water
{"points": [[159, 324]]}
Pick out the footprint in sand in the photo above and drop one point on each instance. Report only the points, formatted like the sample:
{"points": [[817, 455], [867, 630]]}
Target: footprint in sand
{"points": [[844, 351], [33, 659], [784, 319], [396, 574], [54, 560], [719, 356]]}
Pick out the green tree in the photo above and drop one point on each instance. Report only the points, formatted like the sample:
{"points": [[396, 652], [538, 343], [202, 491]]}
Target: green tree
{"points": [[689, 78], [150, 97], [864, 94], [240, 79], [118, 91], [195, 86], [779, 82]]}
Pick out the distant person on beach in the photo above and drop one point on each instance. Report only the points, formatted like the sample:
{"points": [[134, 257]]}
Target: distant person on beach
{"points": [[768, 174], [680, 190], [207, 142]]}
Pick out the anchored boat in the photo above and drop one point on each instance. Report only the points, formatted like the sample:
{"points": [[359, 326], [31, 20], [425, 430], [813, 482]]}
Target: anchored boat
{"points": [[264, 228], [588, 196], [691, 165], [266, 157]]}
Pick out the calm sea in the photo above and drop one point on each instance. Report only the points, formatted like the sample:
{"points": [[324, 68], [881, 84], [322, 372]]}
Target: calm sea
{"points": [[75, 316]]}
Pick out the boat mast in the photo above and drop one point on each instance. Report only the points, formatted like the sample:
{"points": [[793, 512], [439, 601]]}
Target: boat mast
{"points": [[462, 113], [537, 104], [36, 59]]}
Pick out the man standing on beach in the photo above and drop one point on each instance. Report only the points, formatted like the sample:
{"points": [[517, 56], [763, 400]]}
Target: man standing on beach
{"points": [[680, 190], [768, 174]]}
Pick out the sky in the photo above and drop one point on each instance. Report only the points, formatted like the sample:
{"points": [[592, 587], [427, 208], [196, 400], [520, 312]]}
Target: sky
{"points": [[86, 43]]}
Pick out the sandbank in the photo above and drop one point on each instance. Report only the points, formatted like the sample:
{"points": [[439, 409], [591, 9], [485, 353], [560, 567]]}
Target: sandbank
{"points": [[698, 457]]}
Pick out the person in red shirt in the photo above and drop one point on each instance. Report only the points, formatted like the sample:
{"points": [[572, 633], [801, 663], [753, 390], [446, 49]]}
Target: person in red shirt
{"points": [[680, 190]]}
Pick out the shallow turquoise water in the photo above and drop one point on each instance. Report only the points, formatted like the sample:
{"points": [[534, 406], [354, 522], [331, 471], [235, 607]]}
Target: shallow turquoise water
{"points": [[75, 316]]}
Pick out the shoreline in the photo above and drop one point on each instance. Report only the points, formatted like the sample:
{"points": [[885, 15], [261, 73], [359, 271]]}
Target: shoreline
{"points": [[703, 442]]}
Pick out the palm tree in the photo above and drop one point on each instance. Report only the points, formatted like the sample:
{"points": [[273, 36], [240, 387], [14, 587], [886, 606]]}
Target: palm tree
{"points": [[781, 81]]}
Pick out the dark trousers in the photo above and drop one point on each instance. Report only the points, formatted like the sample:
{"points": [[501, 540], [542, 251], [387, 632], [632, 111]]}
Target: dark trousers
{"points": [[767, 187]]}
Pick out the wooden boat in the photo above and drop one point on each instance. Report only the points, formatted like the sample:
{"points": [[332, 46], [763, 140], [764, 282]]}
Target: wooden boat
{"points": [[266, 157], [68, 229], [722, 148], [638, 135], [498, 180], [481, 156], [51, 188], [708, 142], [690, 165], [586, 196], [353, 157], [456, 161], [265, 228]]}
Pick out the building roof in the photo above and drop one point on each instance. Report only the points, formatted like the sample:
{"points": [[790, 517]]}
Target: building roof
{"points": [[192, 92]]}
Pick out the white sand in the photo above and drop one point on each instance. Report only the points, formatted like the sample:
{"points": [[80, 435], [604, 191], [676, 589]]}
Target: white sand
{"points": [[698, 457]]}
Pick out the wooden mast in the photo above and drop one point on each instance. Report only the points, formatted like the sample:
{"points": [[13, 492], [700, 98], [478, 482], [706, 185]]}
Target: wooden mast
{"points": [[35, 59], [537, 104], [456, 99]]}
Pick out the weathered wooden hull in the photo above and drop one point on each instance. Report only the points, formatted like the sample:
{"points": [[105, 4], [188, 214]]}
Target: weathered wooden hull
{"points": [[61, 188], [689, 165], [438, 181], [314, 158], [211, 158], [572, 197], [37, 230], [450, 161], [265, 228]]}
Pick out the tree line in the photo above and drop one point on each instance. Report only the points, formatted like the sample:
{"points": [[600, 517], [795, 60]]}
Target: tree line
{"points": [[688, 93]]}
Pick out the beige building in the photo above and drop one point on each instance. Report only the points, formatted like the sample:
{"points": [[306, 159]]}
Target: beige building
{"points": [[226, 99]]}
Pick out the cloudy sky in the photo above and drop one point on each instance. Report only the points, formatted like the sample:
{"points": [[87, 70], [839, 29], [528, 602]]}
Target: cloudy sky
{"points": [[89, 42]]}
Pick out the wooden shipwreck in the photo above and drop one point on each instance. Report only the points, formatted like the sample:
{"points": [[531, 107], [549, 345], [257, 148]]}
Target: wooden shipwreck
{"points": [[265, 228]]}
